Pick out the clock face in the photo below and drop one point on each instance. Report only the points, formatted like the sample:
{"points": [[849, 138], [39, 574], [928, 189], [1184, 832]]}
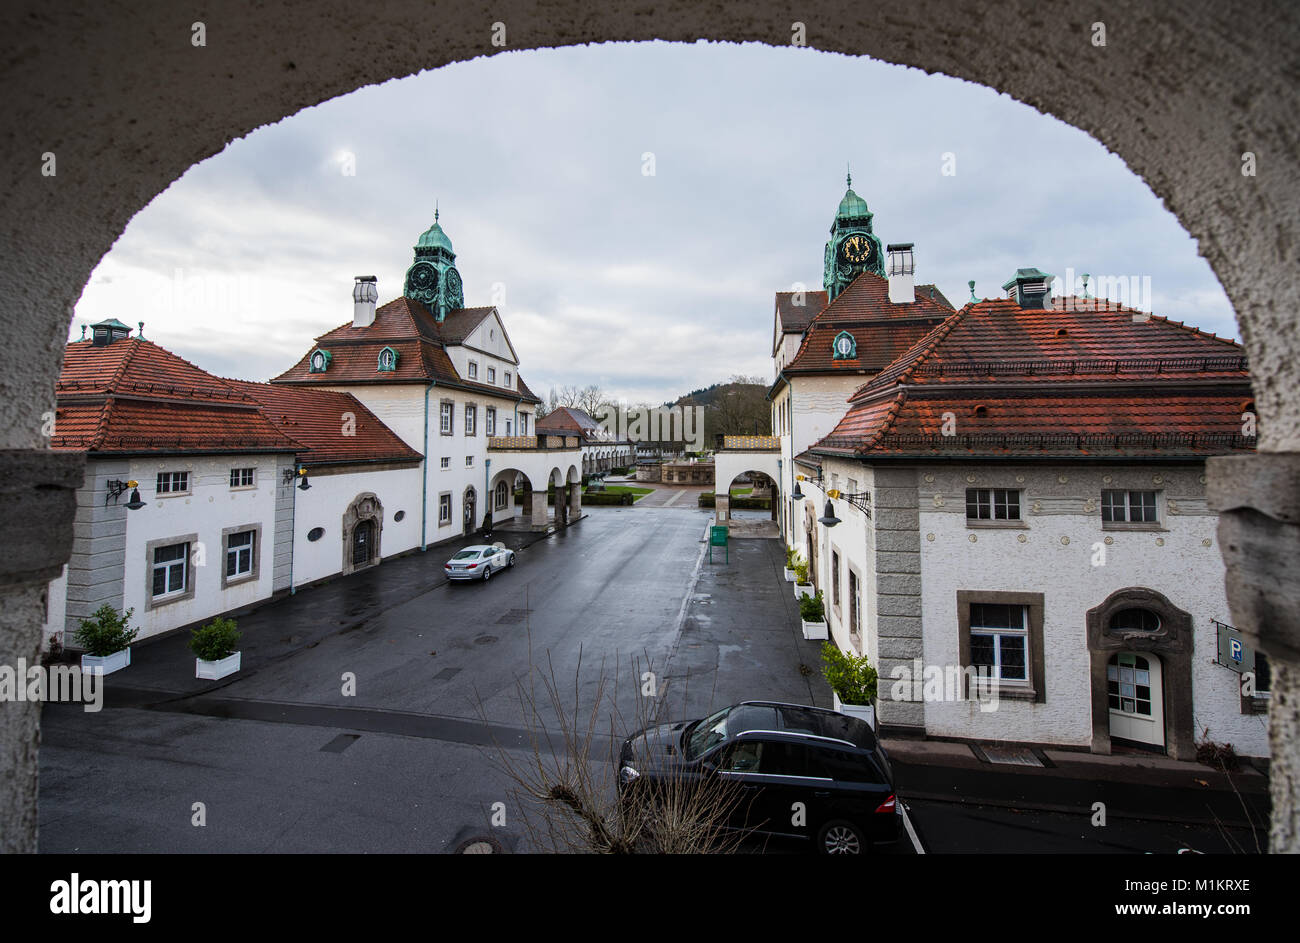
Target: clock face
{"points": [[455, 295], [857, 249], [845, 346], [423, 277], [318, 360]]}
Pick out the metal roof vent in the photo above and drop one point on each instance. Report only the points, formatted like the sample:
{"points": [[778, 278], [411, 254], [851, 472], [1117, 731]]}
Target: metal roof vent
{"points": [[1030, 288]]}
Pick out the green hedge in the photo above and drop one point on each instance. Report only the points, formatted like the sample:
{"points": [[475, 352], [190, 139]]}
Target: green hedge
{"points": [[737, 504], [607, 500]]}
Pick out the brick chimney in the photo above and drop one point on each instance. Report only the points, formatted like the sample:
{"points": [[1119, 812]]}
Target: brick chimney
{"points": [[364, 295], [902, 290]]}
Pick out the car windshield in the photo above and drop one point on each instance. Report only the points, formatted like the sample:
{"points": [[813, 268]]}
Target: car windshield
{"points": [[707, 733], [466, 555]]}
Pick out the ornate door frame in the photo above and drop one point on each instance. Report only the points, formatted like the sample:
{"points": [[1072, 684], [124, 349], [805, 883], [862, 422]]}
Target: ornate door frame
{"points": [[364, 507]]}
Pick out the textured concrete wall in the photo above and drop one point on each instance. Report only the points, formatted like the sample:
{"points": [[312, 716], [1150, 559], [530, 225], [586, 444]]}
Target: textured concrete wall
{"points": [[126, 104]]}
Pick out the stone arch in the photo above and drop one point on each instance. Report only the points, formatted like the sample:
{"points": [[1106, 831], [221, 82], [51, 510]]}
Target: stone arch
{"points": [[365, 511], [1172, 643], [1216, 111]]}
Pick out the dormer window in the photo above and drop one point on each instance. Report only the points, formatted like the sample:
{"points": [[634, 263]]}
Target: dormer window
{"points": [[387, 360], [845, 347], [319, 361]]}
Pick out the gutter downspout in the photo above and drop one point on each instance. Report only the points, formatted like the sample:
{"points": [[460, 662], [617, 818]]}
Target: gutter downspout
{"points": [[487, 488], [293, 523], [424, 474]]}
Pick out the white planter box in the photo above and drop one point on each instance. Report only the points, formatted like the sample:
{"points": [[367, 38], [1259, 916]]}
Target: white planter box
{"points": [[861, 711], [215, 670], [106, 664], [789, 575], [813, 630], [803, 589]]}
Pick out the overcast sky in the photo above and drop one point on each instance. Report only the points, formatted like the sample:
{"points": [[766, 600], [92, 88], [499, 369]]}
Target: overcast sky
{"points": [[648, 285]]}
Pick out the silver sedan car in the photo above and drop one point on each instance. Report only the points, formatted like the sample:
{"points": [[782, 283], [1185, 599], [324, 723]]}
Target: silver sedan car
{"points": [[478, 562]]}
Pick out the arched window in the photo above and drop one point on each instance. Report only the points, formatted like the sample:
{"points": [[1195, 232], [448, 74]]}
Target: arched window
{"points": [[1134, 620], [503, 495]]}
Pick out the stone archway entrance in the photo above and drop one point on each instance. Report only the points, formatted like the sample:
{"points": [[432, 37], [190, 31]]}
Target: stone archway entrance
{"points": [[1217, 101], [1141, 670], [363, 526], [470, 505]]}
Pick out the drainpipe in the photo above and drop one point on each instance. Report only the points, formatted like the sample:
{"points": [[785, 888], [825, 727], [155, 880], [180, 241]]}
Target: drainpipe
{"points": [[424, 473], [487, 486], [293, 526]]}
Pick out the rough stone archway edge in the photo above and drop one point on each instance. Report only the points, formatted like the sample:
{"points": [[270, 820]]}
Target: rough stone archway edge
{"points": [[126, 104]]}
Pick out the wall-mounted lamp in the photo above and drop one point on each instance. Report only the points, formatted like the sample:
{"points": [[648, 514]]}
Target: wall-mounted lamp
{"points": [[859, 499], [291, 473], [829, 518], [797, 494], [115, 487]]}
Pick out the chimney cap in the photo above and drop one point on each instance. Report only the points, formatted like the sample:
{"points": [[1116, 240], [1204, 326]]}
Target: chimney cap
{"points": [[899, 246], [366, 278], [1027, 275]]}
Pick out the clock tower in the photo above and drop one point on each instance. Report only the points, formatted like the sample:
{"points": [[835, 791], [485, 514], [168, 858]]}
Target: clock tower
{"points": [[853, 247], [432, 277]]}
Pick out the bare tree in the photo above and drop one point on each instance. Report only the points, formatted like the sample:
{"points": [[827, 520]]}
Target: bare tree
{"points": [[566, 784]]}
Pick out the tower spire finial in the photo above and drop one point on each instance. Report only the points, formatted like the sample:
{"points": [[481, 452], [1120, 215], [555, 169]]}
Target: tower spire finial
{"points": [[848, 175], [435, 210]]}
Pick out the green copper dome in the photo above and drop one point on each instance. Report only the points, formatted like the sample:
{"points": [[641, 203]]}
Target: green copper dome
{"points": [[435, 238], [852, 207]]}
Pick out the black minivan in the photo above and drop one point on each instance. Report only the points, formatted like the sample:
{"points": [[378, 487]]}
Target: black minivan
{"points": [[805, 772]]}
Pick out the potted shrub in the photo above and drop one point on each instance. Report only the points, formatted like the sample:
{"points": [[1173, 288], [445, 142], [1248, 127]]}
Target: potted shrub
{"points": [[790, 556], [802, 582], [106, 639], [852, 681], [812, 613], [214, 644]]}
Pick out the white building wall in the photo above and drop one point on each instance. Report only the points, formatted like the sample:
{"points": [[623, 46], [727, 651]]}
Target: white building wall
{"points": [[1182, 561], [56, 608], [400, 407], [325, 503], [210, 506], [819, 404]]}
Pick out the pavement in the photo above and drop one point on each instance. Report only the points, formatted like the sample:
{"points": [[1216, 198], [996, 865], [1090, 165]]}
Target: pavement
{"points": [[410, 760]]}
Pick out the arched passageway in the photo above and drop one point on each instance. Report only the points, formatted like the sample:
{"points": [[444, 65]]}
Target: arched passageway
{"points": [[1185, 109]]}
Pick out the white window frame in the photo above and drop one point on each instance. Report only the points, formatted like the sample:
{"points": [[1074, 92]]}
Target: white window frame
{"points": [[491, 374], [473, 369], [236, 551], [240, 485], [169, 479], [447, 417], [507, 379], [445, 462], [991, 503], [490, 420], [471, 420], [167, 567], [1126, 507], [997, 633], [469, 461], [444, 509]]}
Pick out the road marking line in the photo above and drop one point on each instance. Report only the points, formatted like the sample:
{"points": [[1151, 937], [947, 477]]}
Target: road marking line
{"points": [[911, 832]]}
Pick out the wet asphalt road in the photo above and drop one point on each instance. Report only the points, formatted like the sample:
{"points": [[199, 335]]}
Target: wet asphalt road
{"points": [[282, 760]]}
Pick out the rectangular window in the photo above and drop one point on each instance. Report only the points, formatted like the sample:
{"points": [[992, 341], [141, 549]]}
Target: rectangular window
{"points": [[491, 374], [855, 604], [470, 411], [507, 378], [445, 461], [852, 486], [508, 427], [173, 482], [444, 508], [523, 423], [469, 461], [992, 504], [999, 637], [242, 477], [448, 412], [490, 421], [835, 578], [1128, 507], [170, 570], [239, 554], [473, 370]]}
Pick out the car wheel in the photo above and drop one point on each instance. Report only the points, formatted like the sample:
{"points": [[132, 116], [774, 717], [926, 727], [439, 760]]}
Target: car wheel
{"points": [[487, 573], [840, 838], [510, 560]]}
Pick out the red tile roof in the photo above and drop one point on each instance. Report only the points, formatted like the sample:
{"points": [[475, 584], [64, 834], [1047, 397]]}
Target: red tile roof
{"points": [[316, 418], [572, 419], [1080, 378], [132, 396], [881, 329], [420, 341]]}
